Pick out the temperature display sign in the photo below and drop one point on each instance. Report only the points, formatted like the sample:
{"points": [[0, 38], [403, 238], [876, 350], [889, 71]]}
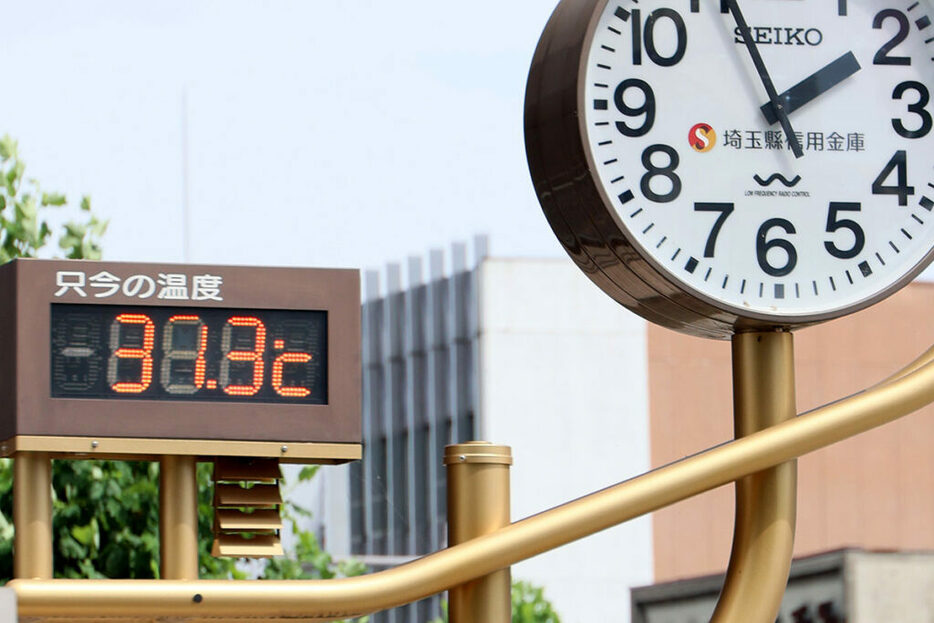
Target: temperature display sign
{"points": [[179, 353], [117, 359]]}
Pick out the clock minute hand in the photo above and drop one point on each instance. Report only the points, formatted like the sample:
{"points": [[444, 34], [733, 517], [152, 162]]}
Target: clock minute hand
{"points": [[765, 78], [817, 83]]}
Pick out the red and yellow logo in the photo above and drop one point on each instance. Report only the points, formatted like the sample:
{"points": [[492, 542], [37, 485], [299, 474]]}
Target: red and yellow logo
{"points": [[702, 138]]}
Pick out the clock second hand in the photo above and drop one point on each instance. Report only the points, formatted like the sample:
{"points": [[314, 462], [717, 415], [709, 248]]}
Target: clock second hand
{"points": [[766, 80]]}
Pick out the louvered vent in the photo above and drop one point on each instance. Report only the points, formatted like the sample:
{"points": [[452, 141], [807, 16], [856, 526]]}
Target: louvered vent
{"points": [[246, 508]]}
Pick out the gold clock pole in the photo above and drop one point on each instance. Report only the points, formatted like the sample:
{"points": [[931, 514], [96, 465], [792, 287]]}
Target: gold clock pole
{"points": [[32, 515], [764, 531]]}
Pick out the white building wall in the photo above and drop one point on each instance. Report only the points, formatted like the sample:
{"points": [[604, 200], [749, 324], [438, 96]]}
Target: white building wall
{"points": [[891, 587], [336, 510], [563, 380]]}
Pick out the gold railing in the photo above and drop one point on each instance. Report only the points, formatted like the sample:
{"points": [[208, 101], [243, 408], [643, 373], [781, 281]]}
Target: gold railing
{"points": [[323, 600]]}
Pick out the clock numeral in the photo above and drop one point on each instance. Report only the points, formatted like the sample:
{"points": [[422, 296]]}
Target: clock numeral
{"points": [[725, 209], [899, 164], [835, 224], [655, 171], [763, 246], [882, 56], [648, 35], [917, 108], [647, 108], [636, 26]]}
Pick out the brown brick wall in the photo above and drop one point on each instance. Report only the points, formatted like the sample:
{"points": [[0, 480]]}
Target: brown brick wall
{"points": [[875, 490]]}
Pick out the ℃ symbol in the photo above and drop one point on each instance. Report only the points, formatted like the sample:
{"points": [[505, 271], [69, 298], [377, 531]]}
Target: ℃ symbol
{"points": [[702, 138]]}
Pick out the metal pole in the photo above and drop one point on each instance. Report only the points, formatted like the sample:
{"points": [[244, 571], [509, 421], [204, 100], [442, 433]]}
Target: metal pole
{"points": [[32, 515], [764, 532], [478, 503], [178, 518], [325, 600]]}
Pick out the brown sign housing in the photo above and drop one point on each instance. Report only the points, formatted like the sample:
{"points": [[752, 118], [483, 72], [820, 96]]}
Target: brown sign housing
{"points": [[268, 414]]}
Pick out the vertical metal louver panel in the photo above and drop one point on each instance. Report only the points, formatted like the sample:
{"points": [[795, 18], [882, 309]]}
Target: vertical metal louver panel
{"points": [[420, 393]]}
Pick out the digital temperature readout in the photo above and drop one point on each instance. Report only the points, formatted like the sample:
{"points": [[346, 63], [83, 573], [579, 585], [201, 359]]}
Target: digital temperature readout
{"points": [[189, 353]]}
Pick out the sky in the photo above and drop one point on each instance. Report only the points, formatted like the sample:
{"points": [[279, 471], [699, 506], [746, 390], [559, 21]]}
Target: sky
{"points": [[319, 133]]}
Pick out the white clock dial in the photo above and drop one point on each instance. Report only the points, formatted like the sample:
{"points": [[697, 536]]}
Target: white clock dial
{"points": [[722, 165], [702, 176]]}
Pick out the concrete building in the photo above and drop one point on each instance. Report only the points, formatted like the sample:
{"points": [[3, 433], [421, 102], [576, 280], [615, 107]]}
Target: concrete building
{"points": [[529, 353], [843, 586]]}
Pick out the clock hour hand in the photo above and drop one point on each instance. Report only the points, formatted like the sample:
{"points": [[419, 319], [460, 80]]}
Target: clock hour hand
{"points": [[817, 83], [774, 100]]}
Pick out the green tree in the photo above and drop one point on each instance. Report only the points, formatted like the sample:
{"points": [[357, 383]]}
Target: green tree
{"points": [[529, 605], [100, 507], [23, 228], [309, 561]]}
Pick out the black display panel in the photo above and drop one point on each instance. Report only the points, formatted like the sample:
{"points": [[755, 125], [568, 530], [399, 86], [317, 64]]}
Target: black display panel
{"points": [[189, 353]]}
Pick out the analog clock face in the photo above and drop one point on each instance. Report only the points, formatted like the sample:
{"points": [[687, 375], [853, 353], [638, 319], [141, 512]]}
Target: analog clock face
{"points": [[771, 158]]}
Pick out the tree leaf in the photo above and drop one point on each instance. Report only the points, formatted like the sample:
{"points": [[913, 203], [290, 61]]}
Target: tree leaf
{"points": [[307, 472], [53, 199], [75, 229], [97, 227], [7, 147]]}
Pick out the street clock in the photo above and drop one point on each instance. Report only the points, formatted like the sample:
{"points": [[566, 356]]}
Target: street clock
{"points": [[718, 166]]}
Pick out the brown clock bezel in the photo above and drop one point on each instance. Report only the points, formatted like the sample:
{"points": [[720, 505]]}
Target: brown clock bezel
{"points": [[581, 214], [28, 411]]}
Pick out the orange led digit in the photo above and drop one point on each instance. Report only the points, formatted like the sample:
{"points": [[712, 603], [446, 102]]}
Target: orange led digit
{"points": [[172, 354], [277, 367], [143, 353], [254, 356]]}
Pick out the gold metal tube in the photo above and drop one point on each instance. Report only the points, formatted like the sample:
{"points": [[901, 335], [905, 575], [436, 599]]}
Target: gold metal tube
{"points": [[331, 599], [764, 530], [178, 518], [32, 515], [478, 504]]}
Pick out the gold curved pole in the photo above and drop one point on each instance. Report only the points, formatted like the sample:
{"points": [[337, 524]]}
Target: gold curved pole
{"points": [[766, 502], [324, 600], [925, 358]]}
